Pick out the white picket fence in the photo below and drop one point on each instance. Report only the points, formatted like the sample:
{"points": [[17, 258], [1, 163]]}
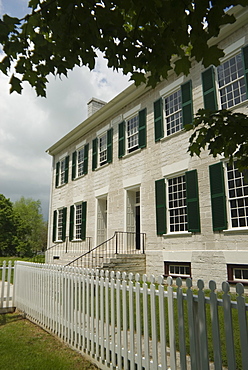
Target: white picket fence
{"points": [[6, 288], [124, 322]]}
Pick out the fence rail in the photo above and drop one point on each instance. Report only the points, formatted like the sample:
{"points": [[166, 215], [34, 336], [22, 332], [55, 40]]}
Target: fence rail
{"points": [[125, 323], [6, 287]]}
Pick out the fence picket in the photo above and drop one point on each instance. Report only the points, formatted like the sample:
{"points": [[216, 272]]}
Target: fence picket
{"points": [[145, 320], [118, 321], [203, 342], [242, 324], [228, 326], [181, 324], [138, 323], [124, 316], [171, 325], [215, 326], [154, 323], [131, 322]]}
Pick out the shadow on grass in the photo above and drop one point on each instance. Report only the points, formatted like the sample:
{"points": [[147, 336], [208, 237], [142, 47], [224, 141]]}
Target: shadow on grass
{"points": [[6, 318]]}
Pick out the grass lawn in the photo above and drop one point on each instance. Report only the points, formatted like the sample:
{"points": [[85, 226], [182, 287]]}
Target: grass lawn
{"points": [[24, 345]]}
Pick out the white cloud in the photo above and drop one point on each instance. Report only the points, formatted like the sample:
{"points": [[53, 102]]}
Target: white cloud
{"points": [[29, 125]]}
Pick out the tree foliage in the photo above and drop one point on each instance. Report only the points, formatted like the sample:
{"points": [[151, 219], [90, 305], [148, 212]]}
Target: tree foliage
{"points": [[142, 38], [222, 133], [136, 36], [23, 231]]}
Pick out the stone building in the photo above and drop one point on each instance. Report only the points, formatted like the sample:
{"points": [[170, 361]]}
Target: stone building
{"points": [[125, 173]]}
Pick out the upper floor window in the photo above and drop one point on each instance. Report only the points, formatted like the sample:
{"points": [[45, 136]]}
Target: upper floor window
{"points": [[132, 133], [102, 149], [231, 82], [80, 162], [229, 197], [230, 78], [62, 169], [177, 204], [174, 111]]}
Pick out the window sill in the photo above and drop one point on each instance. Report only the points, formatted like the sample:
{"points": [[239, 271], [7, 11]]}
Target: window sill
{"points": [[177, 234], [61, 186], [138, 150], [240, 105], [165, 138], [100, 167], [238, 230], [79, 177]]}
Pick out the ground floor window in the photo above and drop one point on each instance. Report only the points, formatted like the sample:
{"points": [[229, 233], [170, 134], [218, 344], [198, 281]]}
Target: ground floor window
{"points": [[177, 269], [237, 273]]}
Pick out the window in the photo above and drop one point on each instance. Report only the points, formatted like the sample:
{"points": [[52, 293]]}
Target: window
{"points": [[231, 82], [175, 109], [237, 197], [177, 269], [177, 204], [62, 168], [80, 162], [102, 149], [59, 225], [132, 133], [177, 207], [237, 273], [173, 112], [228, 207], [78, 221], [230, 79]]}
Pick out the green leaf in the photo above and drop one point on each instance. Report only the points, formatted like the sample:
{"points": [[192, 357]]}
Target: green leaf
{"points": [[15, 85]]}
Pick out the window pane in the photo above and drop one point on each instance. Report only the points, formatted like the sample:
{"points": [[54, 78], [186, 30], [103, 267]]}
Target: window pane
{"points": [[177, 204], [173, 112]]}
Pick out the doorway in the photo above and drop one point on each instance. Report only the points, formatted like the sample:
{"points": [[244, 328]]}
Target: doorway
{"points": [[133, 218], [102, 209]]}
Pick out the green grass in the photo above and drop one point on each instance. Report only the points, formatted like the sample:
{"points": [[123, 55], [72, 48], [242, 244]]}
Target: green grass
{"points": [[24, 345]]}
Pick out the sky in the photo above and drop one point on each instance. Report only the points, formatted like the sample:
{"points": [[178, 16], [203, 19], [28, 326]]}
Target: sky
{"points": [[29, 125]]}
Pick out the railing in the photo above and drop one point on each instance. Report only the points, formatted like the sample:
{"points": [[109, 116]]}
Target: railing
{"points": [[6, 287], [125, 322], [120, 243], [60, 248]]}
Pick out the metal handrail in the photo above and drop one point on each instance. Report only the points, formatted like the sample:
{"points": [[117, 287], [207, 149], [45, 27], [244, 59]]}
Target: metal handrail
{"points": [[68, 246], [120, 243]]}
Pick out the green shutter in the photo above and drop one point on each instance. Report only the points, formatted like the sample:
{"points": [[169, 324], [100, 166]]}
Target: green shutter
{"points": [[192, 201], [54, 226], [74, 165], [57, 174], [66, 169], [218, 197], [158, 119], [187, 103], [209, 90], [110, 145], [142, 128], [83, 225], [86, 155], [94, 154], [245, 61], [121, 148], [160, 206], [71, 231], [64, 224]]}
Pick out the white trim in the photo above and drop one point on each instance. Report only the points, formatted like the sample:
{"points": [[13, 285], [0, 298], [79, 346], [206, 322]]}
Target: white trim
{"points": [[175, 168], [81, 144], [103, 130], [132, 111], [233, 49], [63, 156], [102, 191], [116, 120], [236, 257], [173, 86], [132, 182]]}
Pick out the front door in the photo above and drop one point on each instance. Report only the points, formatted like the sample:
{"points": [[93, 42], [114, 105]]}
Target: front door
{"points": [[133, 219], [101, 220]]}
